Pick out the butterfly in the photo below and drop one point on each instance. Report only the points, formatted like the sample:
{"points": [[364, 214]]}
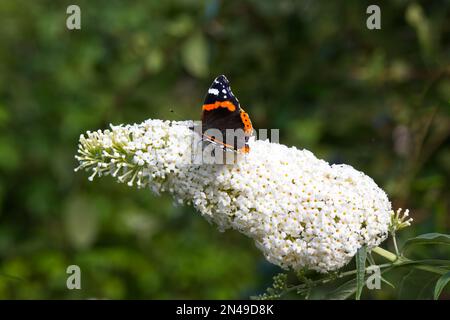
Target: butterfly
{"points": [[221, 111]]}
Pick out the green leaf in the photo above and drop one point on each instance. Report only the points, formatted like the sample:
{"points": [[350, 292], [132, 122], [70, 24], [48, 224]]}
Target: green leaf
{"points": [[361, 256], [81, 221], [343, 292], [432, 262], [417, 284], [9, 154], [195, 55], [387, 282], [306, 131], [440, 285], [427, 238], [435, 266]]}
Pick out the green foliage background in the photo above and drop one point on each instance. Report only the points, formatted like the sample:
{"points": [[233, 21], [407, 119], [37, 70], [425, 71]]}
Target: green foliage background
{"points": [[377, 100]]}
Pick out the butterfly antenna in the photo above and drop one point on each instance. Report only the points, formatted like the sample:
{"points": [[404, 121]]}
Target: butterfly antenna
{"points": [[175, 113]]}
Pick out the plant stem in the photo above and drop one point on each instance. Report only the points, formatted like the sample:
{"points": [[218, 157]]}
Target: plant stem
{"points": [[325, 280], [395, 261], [400, 261], [394, 240], [349, 273]]}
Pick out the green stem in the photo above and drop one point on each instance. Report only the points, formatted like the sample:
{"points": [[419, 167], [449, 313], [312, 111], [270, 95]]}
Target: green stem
{"points": [[395, 261], [400, 261], [323, 281], [394, 240], [349, 273]]}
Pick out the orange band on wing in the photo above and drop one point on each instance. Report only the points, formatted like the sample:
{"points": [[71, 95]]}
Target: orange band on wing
{"points": [[245, 149], [248, 128], [219, 104]]}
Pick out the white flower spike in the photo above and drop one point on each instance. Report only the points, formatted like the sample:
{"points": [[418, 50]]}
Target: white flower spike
{"points": [[300, 211]]}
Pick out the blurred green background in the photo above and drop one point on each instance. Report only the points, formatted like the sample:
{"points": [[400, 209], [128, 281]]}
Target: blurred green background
{"points": [[378, 100]]}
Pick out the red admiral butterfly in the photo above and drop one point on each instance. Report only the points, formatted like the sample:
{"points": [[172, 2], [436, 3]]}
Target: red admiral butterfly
{"points": [[221, 111]]}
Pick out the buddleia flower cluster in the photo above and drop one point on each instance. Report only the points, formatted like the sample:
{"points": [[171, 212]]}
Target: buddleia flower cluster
{"points": [[300, 211]]}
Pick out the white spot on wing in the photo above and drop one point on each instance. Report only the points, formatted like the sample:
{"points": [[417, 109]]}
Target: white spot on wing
{"points": [[224, 91], [213, 91]]}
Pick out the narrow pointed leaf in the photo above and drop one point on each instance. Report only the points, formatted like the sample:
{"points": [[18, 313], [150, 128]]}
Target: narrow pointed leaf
{"points": [[343, 292], [440, 285], [427, 238], [361, 256]]}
